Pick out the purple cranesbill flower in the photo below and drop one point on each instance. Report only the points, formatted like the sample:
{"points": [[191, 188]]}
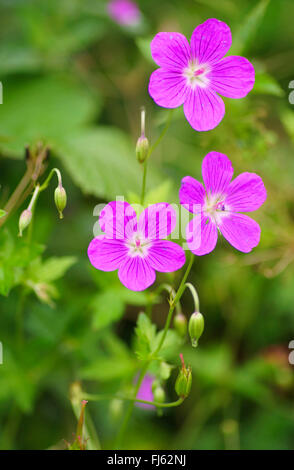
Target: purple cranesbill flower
{"points": [[124, 12], [145, 392], [195, 74], [218, 205], [136, 247]]}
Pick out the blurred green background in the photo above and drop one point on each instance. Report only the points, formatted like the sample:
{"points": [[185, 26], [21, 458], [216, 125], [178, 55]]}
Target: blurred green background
{"points": [[75, 80]]}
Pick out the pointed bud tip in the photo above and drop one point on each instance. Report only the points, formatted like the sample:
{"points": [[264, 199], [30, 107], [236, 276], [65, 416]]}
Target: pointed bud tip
{"points": [[24, 221], [142, 149], [184, 381], [196, 327], [60, 199]]}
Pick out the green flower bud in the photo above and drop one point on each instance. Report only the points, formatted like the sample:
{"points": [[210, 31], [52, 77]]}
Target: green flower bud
{"points": [[181, 324], [184, 382], [24, 221], [60, 199], [159, 394], [196, 327], [165, 370], [116, 408], [142, 149]]}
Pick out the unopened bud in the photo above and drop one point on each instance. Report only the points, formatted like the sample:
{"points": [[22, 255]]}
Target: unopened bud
{"points": [[116, 408], [165, 370], [24, 221], [184, 381], [159, 394], [181, 324], [142, 149], [196, 327], [60, 199]]}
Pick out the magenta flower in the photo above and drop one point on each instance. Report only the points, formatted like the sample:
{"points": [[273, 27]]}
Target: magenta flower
{"points": [[145, 392], [195, 74], [136, 248], [124, 12], [218, 206]]}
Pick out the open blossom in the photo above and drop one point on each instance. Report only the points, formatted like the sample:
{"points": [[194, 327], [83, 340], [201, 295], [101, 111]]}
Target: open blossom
{"points": [[124, 12], [218, 205], [136, 247], [145, 392], [195, 74]]}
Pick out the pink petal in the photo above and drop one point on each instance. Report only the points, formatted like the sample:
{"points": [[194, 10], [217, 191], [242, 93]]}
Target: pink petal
{"points": [[242, 232], [124, 12], [245, 193], [136, 274], [118, 220], [145, 392], [157, 221], [192, 194], [171, 51], [210, 41], [201, 234], [168, 88], [203, 108], [166, 256], [105, 254], [217, 172], [232, 77]]}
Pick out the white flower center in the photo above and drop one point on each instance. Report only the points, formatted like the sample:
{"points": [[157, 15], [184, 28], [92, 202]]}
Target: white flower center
{"points": [[196, 74], [138, 245], [216, 208]]}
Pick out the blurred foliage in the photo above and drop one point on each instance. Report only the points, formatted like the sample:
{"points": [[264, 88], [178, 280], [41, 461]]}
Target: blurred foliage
{"points": [[75, 80]]}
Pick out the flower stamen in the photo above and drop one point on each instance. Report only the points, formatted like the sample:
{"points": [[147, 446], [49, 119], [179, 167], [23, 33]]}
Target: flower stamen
{"points": [[196, 75]]}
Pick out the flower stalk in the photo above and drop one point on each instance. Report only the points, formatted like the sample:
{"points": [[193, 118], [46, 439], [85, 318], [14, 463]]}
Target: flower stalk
{"points": [[173, 302]]}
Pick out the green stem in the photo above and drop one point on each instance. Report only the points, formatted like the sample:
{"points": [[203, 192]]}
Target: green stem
{"points": [[97, 397], [152, 148], [173, 303], [164, 131], [194, 295], [19, 317], [91, 437], [48, 179], [144, 183], [131, 406], [155, 352], [153, 297]]}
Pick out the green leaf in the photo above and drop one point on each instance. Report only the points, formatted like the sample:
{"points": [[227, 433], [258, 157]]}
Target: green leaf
{"points": [[288, 121], [170, 345], [2, 213], [145, 336], [14, 378], [15, 257], [250, 24], [46, 109], [160, 193], [40, 274], [16, 57], [108, 369], [143, 45], [51, 269], [101, 161], [265, 84], [107, 308]]}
